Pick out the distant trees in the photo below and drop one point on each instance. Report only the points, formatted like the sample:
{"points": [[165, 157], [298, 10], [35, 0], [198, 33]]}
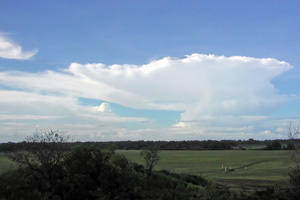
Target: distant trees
{"points": [[274, 146], [151, 157], [290, 146], [169, 145]]}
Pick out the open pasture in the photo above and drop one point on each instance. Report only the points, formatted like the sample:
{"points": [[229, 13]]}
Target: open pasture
{"points": [[251, 169]]}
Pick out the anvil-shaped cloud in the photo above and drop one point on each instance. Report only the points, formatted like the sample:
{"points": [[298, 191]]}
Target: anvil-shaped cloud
{"points": [[203, 87]]}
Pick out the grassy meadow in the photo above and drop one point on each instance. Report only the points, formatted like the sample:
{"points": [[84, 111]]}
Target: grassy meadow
{"points": [[251, 169]]}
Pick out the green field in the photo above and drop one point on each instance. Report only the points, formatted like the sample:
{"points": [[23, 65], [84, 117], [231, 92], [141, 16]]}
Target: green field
{"points": [[5, 163], [252, 169], [263, 168], [251, 147]]}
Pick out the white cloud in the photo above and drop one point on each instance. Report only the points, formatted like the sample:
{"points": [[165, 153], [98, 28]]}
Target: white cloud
{"points": [[179, 125], [11, 50], [103, 107], [39, 106], [281, 130], [58, 112], [195, 83], [217, 94], [266, 132]]}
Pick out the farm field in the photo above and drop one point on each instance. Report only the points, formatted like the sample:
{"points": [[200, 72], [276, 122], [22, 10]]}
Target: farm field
{"points": [[251, 169]]}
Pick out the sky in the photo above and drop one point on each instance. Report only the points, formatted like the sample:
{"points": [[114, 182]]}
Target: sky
{"points": [[149, 70]]}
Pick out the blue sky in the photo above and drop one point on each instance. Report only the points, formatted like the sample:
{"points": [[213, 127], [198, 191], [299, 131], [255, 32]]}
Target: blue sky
{"points": [[149, 70]]}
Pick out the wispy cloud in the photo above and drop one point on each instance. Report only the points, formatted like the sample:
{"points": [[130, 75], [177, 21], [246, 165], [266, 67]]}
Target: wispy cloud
{"points": [[27, 117], [11, 50]]}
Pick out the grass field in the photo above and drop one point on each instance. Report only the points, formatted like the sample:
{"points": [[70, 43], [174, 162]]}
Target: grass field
{"points": [[251, 147], [263, 168], [252, 169], [5, 163]]}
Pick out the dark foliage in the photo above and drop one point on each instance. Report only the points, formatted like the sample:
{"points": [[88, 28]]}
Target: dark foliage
{"points": [[151, 157], [274, 146], [290, 146], [295, 183], [87, 172], [167, 145]]}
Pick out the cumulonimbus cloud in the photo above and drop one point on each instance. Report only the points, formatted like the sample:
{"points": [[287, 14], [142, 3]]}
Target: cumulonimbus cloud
{"points": [[205, 83], [11, 50], [208, 89]]}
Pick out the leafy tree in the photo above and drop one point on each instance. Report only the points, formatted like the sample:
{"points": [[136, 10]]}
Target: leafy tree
{"points": [[217, 192], [290, 146], [42, 159], [274, 146], [18, 184], [92, 173], [44, 149], [85, 172], [151, 157]]}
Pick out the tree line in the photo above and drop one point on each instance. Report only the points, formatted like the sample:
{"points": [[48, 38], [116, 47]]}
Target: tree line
{"points": [[174, 145]]}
